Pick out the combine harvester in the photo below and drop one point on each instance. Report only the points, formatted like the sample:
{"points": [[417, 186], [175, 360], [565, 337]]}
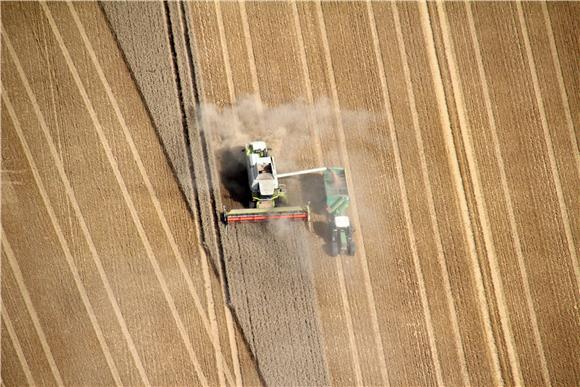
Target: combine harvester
{"points": [[268, 198], [267, 194]]}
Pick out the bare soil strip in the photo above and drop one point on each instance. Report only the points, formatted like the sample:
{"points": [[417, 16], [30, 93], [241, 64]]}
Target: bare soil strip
{"points": [[564, 22], [558, 71]]}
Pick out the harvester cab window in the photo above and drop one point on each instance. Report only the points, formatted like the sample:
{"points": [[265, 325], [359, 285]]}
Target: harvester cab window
{"points": [[264, 168]]}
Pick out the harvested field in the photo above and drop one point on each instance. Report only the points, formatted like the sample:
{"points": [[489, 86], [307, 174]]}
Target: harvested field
{"points": [[457, 124]]}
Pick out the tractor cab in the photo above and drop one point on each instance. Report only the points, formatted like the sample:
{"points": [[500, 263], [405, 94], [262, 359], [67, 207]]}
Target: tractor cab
{"points": [[341, 242]]}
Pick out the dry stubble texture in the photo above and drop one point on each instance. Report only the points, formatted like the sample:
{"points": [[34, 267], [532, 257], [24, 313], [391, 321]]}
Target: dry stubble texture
{"points": [[141, 29], [467, 205]]}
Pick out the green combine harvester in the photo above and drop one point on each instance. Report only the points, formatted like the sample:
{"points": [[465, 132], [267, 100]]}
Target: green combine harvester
{"points": [[268, 198], [337, 203]]}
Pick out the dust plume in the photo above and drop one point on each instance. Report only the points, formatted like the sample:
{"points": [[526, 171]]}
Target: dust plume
{"points": [[286, 128]]}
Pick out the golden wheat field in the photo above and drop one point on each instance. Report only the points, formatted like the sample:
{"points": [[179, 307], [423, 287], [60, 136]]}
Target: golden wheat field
{"points": [[457, 124]]}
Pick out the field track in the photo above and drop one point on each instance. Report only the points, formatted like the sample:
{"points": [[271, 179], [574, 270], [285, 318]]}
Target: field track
{"points": [[458, 126]]}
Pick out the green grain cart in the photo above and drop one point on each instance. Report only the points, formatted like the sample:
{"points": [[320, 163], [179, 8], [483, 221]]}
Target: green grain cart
{"points": [[337, 202]]}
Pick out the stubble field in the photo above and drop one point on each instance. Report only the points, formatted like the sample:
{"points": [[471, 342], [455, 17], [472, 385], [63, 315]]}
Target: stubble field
{"points": [[457, 124]]}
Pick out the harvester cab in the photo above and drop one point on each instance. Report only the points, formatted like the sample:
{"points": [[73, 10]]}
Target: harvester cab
{"points": [[262, 175]]}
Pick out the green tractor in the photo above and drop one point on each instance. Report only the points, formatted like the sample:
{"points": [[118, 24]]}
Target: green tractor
{"points": [[337, 202]]}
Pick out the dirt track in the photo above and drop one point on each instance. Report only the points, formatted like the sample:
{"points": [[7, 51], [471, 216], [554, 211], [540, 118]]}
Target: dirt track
{"points": [[464, 176]]}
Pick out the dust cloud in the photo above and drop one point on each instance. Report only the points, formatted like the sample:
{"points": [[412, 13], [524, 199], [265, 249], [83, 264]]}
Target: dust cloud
{"points": [[286, 128]]}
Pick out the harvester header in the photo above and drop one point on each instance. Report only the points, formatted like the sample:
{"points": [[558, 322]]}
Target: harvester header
{"points": [[251, 215]]}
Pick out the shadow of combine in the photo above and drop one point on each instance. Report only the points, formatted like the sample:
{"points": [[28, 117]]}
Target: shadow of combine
{"points": [[233, 174], [312, 187]]}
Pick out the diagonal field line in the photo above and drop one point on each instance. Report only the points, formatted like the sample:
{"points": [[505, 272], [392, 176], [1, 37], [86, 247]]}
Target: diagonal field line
{"points": [[192, 97], [126, 196], [235, 355], [1, 198], [465, 129], [566, 103], [307, 83], [228, 313], [472, 161], [225, 51], [354, 208], [95, 255], [319, 157], [406, 206], [151, 190], [459, 186], [256, 87], [13, 263], [96, 258], [549, 144], [16, 345], [60, 235], [563, 94], [249, 46], [429, 192], [473, 254], [340, 271]]}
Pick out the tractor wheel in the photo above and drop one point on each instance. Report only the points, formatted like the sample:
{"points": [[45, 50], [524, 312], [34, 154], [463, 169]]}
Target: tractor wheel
{"points": [[334, 240], [351, 247], [334, 248]]}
